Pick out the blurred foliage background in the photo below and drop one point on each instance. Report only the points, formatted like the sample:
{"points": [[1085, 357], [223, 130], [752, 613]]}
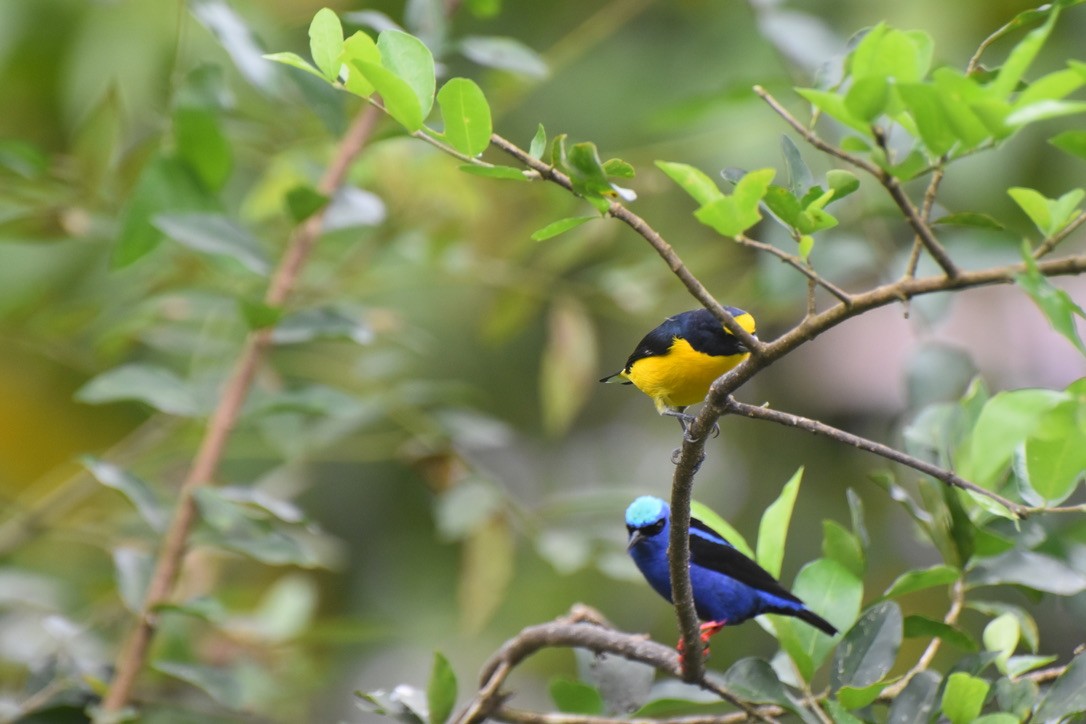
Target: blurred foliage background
{"points": [[454, 467]]}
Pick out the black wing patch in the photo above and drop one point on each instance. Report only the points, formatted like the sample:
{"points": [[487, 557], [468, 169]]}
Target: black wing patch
{"points": [[706, 334], [723, 558]]}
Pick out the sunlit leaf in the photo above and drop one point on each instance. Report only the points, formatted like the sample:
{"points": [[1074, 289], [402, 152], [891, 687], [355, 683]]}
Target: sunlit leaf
{"points": [[441, 691], [1056, 304], [326, 42], [410, 60], [1001, 635], [918, 580], [1072, 142], [964, 697], [1022, 56], [399, 98], [295, 61], [500, 172], [466, 114], [773, 529], [844, 547], [734, 214], [560, 227], [692, 180], [539, 143], [1055, 454], [156, 386], [359, 48]]}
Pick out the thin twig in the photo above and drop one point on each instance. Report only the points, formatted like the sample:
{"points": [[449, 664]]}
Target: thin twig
{"points": [[1050, 243], [820, 428], [798, 264], [888, 181], [133, 654], [957, 602]]}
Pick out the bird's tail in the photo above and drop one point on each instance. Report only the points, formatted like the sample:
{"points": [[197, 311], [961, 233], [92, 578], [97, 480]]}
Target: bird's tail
{"points": [[815, 620]]}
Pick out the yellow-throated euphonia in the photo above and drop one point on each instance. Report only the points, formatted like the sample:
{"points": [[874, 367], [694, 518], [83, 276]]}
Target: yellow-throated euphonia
{"points": [[677, 362]]}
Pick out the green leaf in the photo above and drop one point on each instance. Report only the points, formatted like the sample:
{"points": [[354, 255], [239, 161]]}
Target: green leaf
{"points": [[582, 162], [508, 173], [734, 214], [138, 491], [466, 115], [834, 106], [1018, 697], [888, 53], [215, 234], [359, 48], [539, 143], [916, 702], [560, 227], [221, 683], [857, 698], [202, 145], [963, 697], [441, 691], [410, 60], [307, 325], [754, 680], [910, 581], [133, 568], [503, 53], [1072, 142], [165, 184], [1056, 304], [868, 651], [303, 201], [710, 518], [799, 175], [1067, 694], [970, 218], [842, 546], [924, 104], [256, 528], [1038, 571], [1044, 110], [1051, 86], [326, 42], [294, 61], [773, 529], [692, 180], [569, 364], [156, 386], [842, 182], [833, 592], [923, 627], [1021, 57], [783, 204], [399, 98], [576, 697], [1018, 665], [1001, 636], [617, 168], [997, 718], [867, 97], [1055, 454], [1026, 624], [1005, 422]]}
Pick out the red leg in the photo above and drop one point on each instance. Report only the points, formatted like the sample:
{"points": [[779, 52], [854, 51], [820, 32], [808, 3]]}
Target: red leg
{"points": [[707, 631]]}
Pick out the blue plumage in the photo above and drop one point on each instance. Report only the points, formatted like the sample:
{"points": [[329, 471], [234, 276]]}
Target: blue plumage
{"points": [[728, 587]]}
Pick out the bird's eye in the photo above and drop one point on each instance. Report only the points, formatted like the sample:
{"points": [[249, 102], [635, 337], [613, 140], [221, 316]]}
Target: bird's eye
{"points": [[655, 527]]}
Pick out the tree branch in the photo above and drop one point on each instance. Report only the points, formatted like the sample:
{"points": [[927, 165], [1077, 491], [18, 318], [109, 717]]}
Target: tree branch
{"points": [[957, 602], [798, 264], [133, 654], [888, 181], [820, 428]]}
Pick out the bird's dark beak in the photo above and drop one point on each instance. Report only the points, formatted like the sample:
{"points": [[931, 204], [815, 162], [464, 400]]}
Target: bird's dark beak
{"points": [[635, 538]]}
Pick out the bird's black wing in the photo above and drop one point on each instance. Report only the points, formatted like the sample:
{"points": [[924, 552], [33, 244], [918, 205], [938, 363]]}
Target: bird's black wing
{"points": [[706, 334], [658, 341], [725, 559]]}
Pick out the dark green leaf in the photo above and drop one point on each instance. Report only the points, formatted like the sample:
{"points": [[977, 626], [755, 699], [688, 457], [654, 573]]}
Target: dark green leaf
{"points": [[754, 680], [441, 691], [582, 163], [1034, 570], [502, 172], [156, 386], [916, 702], [326, 42], [1056, 304], [922, 627], [857, 698], [773, 529], [560, 227], [575, 697], [970, 218], [322, 323], [410, 60], [782, 204], [138, 492], [165, 184], [938, 575], [617, 168], [842, 546], [799, 176], [1072, 142], [504, 54], [832, 591], [219, 682], [202, 145], [251, 530], [964, 697], [466, 114], [215, 234], [868, 651], [1018, 697], [1067, 695], [304, 201]]}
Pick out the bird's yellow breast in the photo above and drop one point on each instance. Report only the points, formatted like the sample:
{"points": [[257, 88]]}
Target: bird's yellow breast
{"points": [[681, 376]]}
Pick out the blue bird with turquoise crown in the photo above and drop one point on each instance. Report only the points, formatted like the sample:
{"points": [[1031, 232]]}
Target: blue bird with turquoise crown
{"points": [[729, 587]]}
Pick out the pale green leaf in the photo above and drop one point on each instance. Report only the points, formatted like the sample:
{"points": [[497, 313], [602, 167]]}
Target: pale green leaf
{"points": [[466, 114]]}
